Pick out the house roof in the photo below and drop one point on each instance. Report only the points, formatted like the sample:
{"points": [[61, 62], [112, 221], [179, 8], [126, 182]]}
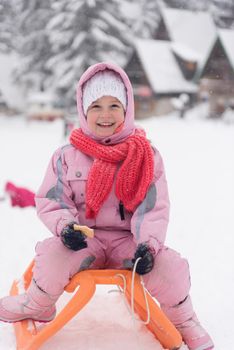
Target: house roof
{"points": [[185, 52], [161, 67], [194, 29], [226, 37]]}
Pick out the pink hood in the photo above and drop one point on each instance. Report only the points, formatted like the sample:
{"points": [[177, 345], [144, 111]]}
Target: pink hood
{"points": [[129, 127]]}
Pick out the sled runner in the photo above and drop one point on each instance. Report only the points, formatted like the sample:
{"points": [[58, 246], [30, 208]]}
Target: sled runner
{"points": [[28, 337]]}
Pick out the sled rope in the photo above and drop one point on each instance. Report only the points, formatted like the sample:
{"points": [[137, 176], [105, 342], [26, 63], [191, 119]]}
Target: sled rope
{"points": [[122, 290], [144, 291], [131, 309]]}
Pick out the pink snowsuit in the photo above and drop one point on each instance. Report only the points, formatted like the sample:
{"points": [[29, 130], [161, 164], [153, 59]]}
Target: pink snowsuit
{"points": [[61, 200]]}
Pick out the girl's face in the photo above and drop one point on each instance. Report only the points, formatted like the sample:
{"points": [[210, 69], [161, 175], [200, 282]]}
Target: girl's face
{"points": [[105, 115]]}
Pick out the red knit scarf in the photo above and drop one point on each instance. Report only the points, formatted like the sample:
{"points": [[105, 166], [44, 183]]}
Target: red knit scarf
{"points": [[134, 176]]}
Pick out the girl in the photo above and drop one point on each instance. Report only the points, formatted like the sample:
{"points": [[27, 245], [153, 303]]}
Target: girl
{"points": [[110, 179]]}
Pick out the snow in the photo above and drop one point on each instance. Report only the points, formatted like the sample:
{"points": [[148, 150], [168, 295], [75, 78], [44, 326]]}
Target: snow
{"points": [[40, 98], [198, 157], [195, 29], [185, 52], [56, 21], [161, 67], [227, 39], [12, 94], [100, 35], [109, 18], [78, 40], [228, 116], [130, 10]]}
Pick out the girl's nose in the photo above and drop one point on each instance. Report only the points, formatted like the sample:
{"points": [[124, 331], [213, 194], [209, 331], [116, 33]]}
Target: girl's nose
{"points": [[105, 113]]}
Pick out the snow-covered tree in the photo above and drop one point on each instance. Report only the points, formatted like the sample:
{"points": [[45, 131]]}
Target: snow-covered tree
{"points": [[32, 42], [6, 26], [223, 12], [142, 16], [83, 32], [188, 5]]}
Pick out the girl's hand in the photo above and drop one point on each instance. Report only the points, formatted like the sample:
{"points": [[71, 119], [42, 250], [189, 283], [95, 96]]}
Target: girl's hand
{"points": [[73, 239], [146, 263]]}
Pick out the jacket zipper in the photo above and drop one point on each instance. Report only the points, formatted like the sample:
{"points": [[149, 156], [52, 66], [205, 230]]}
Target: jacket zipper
{"points": [[121, 211]]}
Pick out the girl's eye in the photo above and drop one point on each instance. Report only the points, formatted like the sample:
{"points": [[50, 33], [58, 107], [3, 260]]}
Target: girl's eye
{"points": [[115, 106], [95, 106]]}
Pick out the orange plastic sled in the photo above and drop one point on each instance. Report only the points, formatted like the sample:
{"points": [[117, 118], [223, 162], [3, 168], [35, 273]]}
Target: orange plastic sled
{"points": [[28, 337]]}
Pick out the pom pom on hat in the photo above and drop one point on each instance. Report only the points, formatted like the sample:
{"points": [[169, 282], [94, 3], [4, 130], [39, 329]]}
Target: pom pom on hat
{"points": [[104, 83]]}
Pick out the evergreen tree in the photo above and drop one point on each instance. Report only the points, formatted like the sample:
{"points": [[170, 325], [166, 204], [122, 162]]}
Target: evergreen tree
{"points": [[6, 26], [83, 32], [32, 42], [223, 12], [142, 16], [197, 5]]}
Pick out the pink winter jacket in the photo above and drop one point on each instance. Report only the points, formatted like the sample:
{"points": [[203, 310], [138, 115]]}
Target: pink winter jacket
{"points": [[61, 197]]}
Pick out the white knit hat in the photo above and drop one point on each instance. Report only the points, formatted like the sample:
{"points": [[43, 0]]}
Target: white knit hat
{"points": [[104, 83]]}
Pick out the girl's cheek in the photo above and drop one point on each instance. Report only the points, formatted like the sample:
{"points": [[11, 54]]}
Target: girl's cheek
{"points": [[119, 128]]}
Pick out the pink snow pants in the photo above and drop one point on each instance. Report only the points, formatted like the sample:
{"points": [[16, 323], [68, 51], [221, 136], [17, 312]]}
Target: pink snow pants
{"points": [[169, 281]]}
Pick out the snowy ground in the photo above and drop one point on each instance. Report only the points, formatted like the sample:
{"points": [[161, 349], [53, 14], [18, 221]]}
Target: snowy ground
{"points": [[199, 163]]}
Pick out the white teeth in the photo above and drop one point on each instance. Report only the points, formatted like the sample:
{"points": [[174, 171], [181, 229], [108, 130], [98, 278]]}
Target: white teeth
{"points": [[105, 124]]}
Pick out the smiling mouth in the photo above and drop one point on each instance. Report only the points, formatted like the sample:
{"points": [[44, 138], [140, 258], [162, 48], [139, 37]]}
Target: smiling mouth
{"points": [[105, 124]]}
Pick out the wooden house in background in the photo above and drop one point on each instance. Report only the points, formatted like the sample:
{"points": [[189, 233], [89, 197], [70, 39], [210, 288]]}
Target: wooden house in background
{"points": [[192, 29], [216, 77], [157, 77], [177, 61]]}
